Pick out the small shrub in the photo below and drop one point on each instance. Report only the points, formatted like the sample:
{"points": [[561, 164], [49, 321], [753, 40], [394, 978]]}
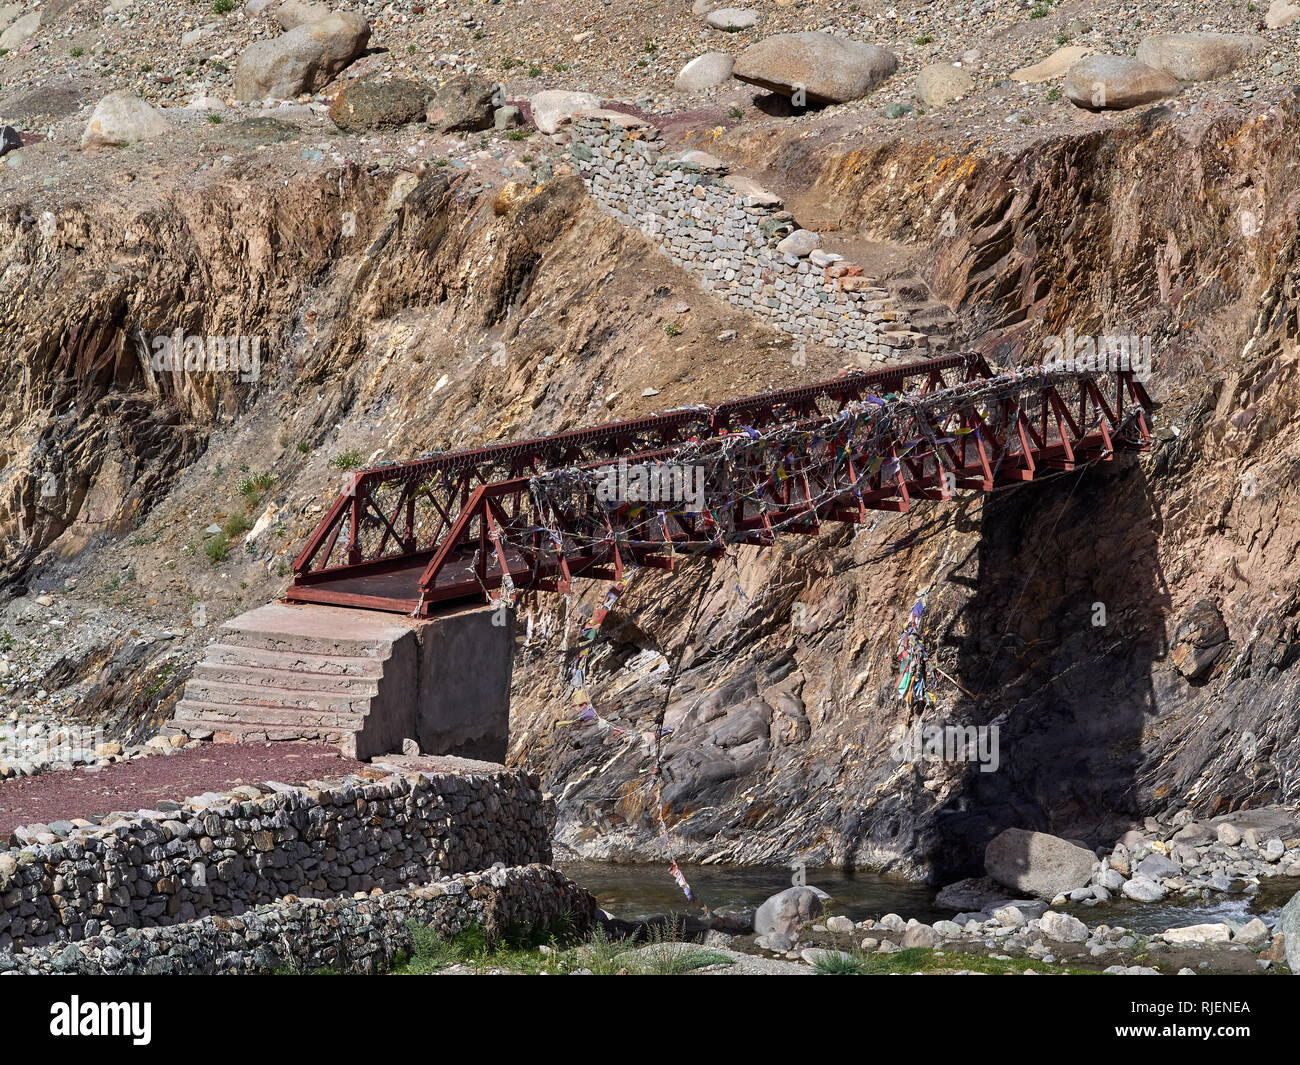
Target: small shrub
{"points": [[235, 525], [347, 460], [222, 7], [216, 548]]}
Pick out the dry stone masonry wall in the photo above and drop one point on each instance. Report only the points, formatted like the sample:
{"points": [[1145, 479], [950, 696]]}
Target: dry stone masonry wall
{"points": [[352, 935], [220, 854], [737, 238]]}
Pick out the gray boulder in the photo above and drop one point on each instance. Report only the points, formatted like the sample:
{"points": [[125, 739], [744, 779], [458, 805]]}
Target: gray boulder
{"points": [[704, 72], [829, 69], [20, 31], [917, 934], [1198, 56], [1158, 867], [785, 912], [1289, 925], [461, 105], [305, 59], [1143, 889], [120, 118], [553, 107], [732, 18], [942, 83], [294, 13], [800, 243], [1037, 863], [1062, 927], [1114, 83]]}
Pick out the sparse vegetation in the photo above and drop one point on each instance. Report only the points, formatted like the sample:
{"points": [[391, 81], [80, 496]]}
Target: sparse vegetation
{"points": [[347, 460], [216, 548]]}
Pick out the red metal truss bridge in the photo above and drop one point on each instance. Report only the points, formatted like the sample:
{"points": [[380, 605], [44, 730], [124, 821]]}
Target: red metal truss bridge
{"points": [[454, 528]]}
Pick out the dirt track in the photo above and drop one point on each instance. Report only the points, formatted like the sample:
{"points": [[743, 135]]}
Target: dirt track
{"points": [[137, 784]]}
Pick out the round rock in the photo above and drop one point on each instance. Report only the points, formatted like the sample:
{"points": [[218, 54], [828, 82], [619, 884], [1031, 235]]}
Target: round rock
{"points": [[1115, 83], [705, 72]]}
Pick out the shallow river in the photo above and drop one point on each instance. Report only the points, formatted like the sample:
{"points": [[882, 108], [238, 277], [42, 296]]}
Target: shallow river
{"points": [[632, 891]]}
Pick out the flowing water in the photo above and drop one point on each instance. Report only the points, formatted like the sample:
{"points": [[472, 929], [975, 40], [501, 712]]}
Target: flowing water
{"points": [[636, 891], [644, 890]]}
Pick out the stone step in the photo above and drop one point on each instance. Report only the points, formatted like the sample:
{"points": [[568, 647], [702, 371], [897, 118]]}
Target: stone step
{"points": [[255, 695], [320, 630], [296, 680], [251, 732], [294, 661], [218, 715]]}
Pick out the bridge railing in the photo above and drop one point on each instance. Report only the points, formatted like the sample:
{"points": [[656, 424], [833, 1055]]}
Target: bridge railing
{"points": [[533, 513], [404, 510]]}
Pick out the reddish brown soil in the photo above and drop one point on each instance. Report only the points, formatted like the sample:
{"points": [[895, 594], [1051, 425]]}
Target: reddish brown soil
{"points": [[138, 784]]}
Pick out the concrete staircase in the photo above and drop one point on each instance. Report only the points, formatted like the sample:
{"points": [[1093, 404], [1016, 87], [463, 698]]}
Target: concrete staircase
{"points": [[284, 672]]}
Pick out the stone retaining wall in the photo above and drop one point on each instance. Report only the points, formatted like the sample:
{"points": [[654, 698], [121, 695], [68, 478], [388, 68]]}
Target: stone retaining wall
{"points": [[725, 229], [219, 854], [304, 935]]}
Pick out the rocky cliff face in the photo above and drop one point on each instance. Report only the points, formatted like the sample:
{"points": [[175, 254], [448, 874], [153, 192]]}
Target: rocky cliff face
{"points": [[1131, 630], [380, 296]]}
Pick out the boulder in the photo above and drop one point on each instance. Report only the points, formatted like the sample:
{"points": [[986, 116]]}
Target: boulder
{"points": [[294, 13], [917, 934], [1114, 83], [1281, 13], [1288, 924], [553, 107], [120, 118], [374, 103], [10, 140], [732, 18], [1010, 916], [829, 69], [1158, 867], [972, 893], [786, 912], [1062, 927], [1037, 863], [942, 83], [1198, 933], [1054, 66], [801, 243], [305, 59], [1228, 834], [1143, 889], [507, 116], [462, 104], [20, 31], [1254, 933], [1198, 56], [705, 72]]}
